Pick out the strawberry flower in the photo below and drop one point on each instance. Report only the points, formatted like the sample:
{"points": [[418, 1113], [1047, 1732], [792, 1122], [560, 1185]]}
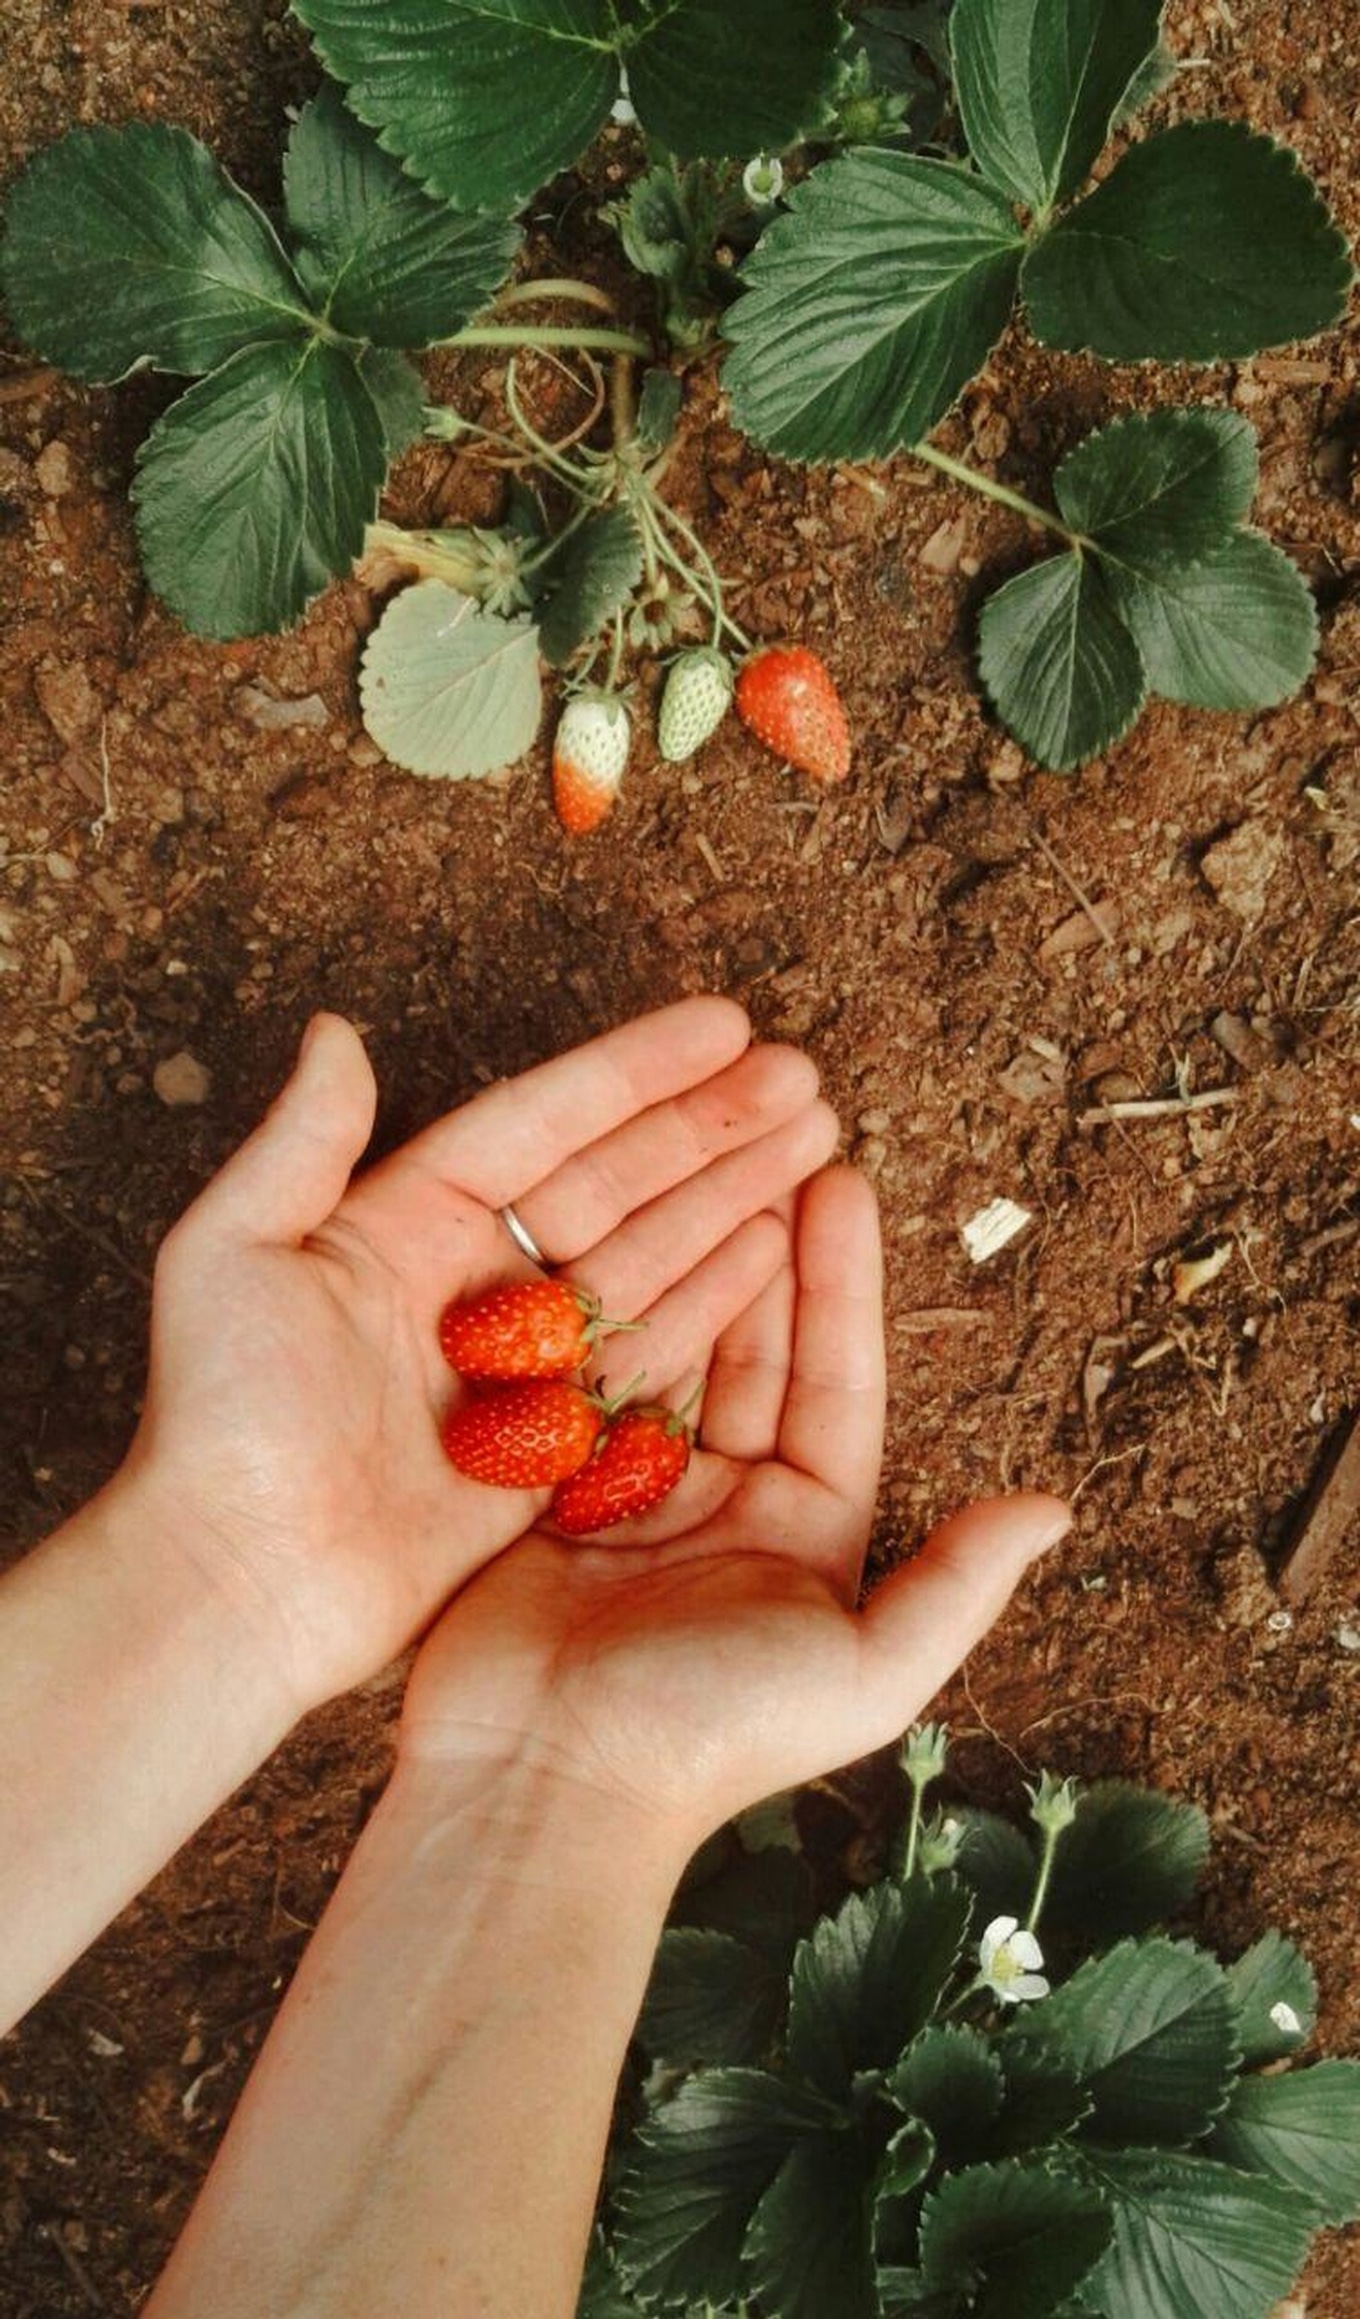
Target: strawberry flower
{"points": [[623, 110], [1286, 2020], [762, 180], [1008, 1961]]}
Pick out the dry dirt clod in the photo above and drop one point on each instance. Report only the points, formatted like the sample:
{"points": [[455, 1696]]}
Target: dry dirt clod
{"points": [[182, 1081], [269, 714], [67, 699], [54, 470], [1240, 867]]}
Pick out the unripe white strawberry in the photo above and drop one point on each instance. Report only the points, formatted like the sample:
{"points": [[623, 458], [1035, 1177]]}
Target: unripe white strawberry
{"points": [[698, 696], [590, 756]]}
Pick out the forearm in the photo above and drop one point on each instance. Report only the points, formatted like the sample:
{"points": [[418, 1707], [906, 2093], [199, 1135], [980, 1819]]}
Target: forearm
{"points": [[424, 2132], [130, 1708]]}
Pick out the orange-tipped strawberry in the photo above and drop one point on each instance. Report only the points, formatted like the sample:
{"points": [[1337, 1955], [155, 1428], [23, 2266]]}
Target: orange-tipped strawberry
{"points": [[536, 1328], [788, 700], [526, 1438], [643, 1456], [590, 758]]}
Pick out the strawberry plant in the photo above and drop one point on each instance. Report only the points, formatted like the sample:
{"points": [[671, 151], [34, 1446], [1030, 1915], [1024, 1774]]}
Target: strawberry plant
{"points": [[987, 2085], [787, 218]]}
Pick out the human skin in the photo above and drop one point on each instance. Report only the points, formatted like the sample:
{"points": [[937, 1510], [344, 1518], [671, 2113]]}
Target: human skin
{"points": [[424, 2131], [286, 1522]]}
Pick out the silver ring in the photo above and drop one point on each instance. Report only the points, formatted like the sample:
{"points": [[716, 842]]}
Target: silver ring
{"points": [[523, 1238]]}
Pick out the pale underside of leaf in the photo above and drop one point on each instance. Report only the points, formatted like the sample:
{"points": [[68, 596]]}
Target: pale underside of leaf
{"points": [[449, 690], [1039, 83], [255, 488], [1160, 490], [387, 262], [1206, 241], [130, 247], [1193, 2237], [1058, 663], [1236, 631], [869, 306]]}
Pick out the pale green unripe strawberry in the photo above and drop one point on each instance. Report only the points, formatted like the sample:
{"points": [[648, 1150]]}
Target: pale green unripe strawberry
{"points": [[698, 696]]}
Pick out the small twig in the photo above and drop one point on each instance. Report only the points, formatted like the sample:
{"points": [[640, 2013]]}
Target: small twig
{"points": [[1078, 893], [1332, 1503], [74, 2265], [1160, 1107], [105, 818], [1118, 1457]]}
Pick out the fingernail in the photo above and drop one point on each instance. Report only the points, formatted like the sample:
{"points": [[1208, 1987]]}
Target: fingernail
{"points": [[309, 1038]]}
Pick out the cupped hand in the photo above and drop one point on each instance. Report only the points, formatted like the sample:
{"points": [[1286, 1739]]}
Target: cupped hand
{"points": [[712, 1653], [291, 1433]]}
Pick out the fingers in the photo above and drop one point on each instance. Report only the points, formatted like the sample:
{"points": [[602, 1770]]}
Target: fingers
{"points": [[593, 1192], [504, 1142], [924, 1620], [291, 1174], [671, 1352], [655, 1248], [834, 1410], [750, 1374]]}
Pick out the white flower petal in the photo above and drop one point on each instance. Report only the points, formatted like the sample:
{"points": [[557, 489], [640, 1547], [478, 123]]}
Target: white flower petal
{"points": [[995, 1937], [1025, 1950], [1286, 2020], [1028, 1987]]}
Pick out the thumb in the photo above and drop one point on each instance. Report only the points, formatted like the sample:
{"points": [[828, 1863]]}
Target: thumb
{"points": [[292, 1173], [921, 1623]]}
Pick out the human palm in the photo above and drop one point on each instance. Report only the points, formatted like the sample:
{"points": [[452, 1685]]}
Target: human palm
{"points": [[292, 1424], [717, 1655]]}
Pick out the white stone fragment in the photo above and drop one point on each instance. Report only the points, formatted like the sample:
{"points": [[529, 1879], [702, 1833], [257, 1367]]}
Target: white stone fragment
{"points": [[993, 1228]]}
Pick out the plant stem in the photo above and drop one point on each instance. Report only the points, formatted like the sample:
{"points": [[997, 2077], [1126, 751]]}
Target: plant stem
{"points": [[573, 293], [566, 470], [913, 1832], [713, 592], [548, 334], [973, 480], [1045, 1871], [622, 407], [611, 685]]}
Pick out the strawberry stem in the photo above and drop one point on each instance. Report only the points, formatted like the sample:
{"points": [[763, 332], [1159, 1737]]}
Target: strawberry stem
{"points": [[557, 286], [547, 334], [973, 480]]}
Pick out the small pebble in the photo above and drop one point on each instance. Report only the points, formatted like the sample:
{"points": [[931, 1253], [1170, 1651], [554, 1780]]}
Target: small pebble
{"points": [[182, 1081]]}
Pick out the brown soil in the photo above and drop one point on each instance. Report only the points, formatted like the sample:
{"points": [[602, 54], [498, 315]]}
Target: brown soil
{"points": [[918, 931]]}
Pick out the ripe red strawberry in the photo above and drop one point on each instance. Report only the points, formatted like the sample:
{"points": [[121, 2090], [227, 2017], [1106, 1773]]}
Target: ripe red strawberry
{"points": [[642, 1457], [787, 698], [590, 757], [537, 1328], [526, 1438]]}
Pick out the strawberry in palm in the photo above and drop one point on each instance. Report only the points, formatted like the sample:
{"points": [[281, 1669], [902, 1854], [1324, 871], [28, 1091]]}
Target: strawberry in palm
{"points": [[535, 1328], [527, 1438], [643, 1456], [788, 700]]}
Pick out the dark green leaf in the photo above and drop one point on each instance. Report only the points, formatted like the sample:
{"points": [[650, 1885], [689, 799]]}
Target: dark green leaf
{"points": [[950, 2078], [1193, 2238], [869, 305], [399, 393], [597, 571], [1042, 2098], [710, 80], [903, 2294], [603, 2295], [902, 25], [762, 1898], [997, 1861], [1238, 631], [449, 690], [655, 226], [383, 260], [710, 1999], [701, 2164], [255, 488], [1206, 241], [1020, 2238], [1039, 83], [1061, 668], [1160, 491], [807, 2250], [126, 247], [658, 409], [1272, 1972], [1303, 2130], [1130, 1859], [898, 2193], [869, 1978], [1148, 2029]]}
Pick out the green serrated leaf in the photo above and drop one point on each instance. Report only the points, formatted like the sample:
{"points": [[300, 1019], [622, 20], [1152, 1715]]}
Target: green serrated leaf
{"points": [[868, 1979], [1237, 631], [1303, 2130], [399, 393], [807, 2249], [449, 690], [1039, 83], [701, 2164], [903, 2294], [1058, 662], [997, 1861], [1148, 2030], [1272, 1972], [952, 2080], [383, 260], [897, 2193], [869, 305], [597, 571], [1130, 1859], [1042, 2099], [659, 409], [690, 73], [255, 488], [710, 1999], [1192, 2237], [1207, 241], [1020, 2238], [603, 2294], [131, 247], [1162, 490], [891, 31], [655, 227]]}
